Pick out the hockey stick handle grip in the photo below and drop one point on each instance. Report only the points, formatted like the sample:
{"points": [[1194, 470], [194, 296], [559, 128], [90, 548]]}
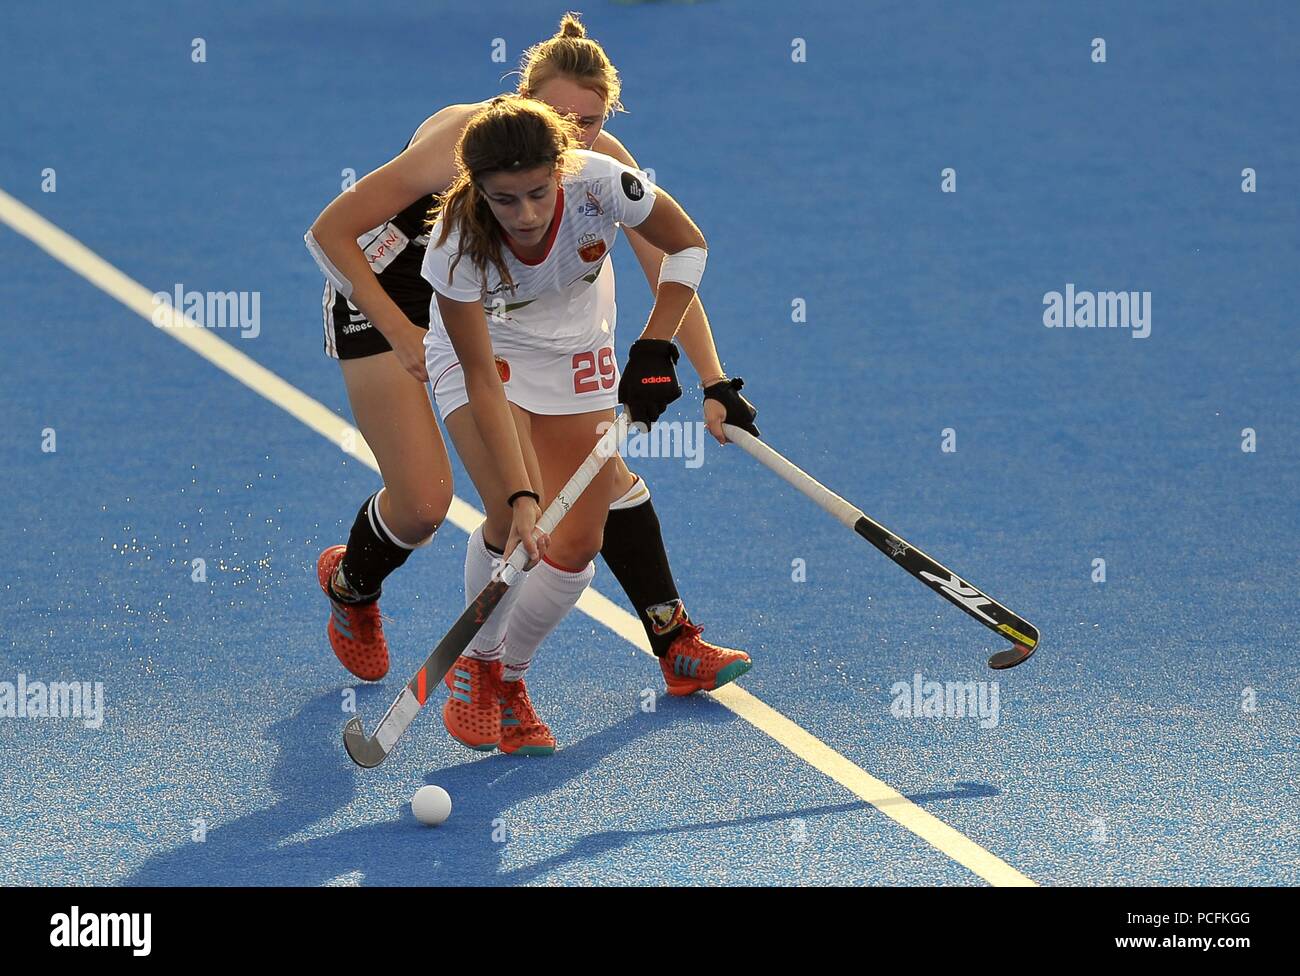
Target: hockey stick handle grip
{"points": [[822, 496], [605, 449]]}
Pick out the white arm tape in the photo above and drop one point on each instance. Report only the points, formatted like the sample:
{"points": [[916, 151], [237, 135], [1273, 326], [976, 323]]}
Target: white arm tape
{"points": [[341, 284], [686, 267]]}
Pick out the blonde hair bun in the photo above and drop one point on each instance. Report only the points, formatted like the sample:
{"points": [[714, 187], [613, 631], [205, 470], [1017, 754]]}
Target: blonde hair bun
{"points": [[571, 26]]}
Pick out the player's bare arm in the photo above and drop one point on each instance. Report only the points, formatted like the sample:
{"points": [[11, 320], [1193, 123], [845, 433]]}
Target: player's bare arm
{"points": [[466, 325], [722, 400], [426, 166], [695, 335]]}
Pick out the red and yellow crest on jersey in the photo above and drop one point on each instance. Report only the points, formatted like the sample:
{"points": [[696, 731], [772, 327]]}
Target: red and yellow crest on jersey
{"points": [[591, 248]]}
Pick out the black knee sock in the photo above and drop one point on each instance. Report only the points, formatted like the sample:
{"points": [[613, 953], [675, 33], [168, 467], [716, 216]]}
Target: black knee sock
{"points": [[373, 553], [634, 552]]}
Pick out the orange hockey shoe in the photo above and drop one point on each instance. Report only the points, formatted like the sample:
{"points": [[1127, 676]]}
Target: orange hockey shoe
{"points": [[355, 630], [691, 664], [472, 713], [522, 731]]}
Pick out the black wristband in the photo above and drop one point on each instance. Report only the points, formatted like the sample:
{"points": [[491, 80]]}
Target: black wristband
{"points": [[520, 494]]}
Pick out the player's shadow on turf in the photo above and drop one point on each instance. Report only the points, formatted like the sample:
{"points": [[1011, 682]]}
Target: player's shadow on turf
{"points": [[312, 779], [607, 841], [486, 833], [966, 791]]}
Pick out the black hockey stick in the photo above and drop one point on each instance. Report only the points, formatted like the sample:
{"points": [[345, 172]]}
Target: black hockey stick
{"points": [[993, 615], [370, 751]]}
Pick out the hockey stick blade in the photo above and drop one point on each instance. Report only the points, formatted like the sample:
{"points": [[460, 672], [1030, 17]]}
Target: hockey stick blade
{"points": [[370, 751], [957, 591], [1009, 659], [363, 750], [975, 602]]}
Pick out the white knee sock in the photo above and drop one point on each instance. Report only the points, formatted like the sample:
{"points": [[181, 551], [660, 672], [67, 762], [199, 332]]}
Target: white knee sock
{"points": [[480, 561], [547, 595]]}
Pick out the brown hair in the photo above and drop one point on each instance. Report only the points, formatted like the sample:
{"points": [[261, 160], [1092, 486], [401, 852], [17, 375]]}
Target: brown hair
{"points": [[510, 134], [570, 53]]}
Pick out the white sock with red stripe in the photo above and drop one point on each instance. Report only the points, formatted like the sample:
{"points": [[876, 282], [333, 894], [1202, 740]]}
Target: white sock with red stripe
{"points": [[480, 562], [548, 594]]}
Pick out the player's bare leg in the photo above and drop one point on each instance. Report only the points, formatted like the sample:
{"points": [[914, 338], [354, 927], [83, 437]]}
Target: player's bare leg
{"points": [[473, 714], [554, 586], [393, 414]]}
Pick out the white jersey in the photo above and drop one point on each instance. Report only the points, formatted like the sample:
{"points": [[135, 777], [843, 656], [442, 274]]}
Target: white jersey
{"points": [[564, 301]]}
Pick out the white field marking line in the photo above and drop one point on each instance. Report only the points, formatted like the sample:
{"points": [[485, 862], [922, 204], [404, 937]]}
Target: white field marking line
{"points": [[803, 744]]}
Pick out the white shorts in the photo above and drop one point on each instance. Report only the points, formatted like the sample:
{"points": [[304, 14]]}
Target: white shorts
{"points": [[537, 380]]}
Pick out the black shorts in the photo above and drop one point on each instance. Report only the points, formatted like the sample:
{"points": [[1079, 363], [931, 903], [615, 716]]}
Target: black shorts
{"points": [[395, 250], [350, 335]]}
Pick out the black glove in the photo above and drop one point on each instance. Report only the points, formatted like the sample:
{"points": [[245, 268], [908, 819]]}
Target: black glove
{"points": [[740, 412], [649, 381]]}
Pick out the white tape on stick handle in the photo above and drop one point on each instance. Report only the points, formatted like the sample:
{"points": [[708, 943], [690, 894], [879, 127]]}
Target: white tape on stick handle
{"points": [[822, 496]]}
